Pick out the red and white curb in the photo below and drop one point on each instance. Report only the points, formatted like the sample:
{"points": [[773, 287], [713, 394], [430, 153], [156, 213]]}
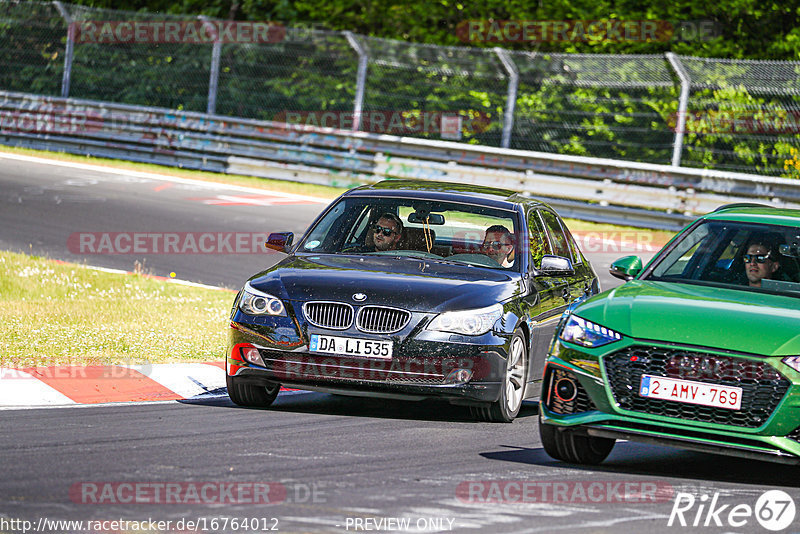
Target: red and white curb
{"points": [[101, 384]]}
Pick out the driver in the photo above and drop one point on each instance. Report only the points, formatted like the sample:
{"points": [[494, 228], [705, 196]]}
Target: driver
{"points": [[498, 244], [760, 260], [386, 233]]}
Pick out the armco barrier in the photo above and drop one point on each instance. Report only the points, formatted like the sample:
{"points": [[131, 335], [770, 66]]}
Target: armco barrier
{"points": [[603, 190]]}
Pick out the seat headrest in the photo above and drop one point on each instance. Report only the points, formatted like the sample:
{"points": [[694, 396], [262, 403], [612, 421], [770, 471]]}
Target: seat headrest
{"points": [[414, 239]]}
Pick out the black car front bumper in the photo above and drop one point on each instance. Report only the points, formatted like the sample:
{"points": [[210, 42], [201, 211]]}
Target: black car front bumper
{"points": [[418, 369]]}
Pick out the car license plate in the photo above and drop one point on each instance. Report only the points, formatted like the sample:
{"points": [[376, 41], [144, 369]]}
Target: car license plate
{"points": [[674, 389], [350, 346]]}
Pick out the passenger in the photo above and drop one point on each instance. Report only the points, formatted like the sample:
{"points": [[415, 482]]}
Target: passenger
{"points": [[499, 245], [386, 233], [760, 260]]}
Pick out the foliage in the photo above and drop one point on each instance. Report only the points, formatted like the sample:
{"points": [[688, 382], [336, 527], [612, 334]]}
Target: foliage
{"points": [[745, 28], [598, 105]]}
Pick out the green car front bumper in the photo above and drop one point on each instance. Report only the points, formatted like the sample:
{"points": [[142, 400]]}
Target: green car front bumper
{"points": [[607, 403]]}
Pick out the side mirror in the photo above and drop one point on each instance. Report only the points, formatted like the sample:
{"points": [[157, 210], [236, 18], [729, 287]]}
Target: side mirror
{"points": [[556, 265], [280, 241], [626, 268]]}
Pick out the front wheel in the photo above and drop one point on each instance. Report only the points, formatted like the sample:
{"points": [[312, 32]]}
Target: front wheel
{"points": [[512, 392], [568, 446], [245, 394]]}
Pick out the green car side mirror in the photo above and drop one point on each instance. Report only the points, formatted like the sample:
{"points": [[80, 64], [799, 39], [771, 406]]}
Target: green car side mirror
{"points": [[626, 268]]}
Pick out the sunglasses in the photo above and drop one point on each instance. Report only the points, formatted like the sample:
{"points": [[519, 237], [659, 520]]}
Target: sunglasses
{"points": [[495, 244], [758, 258], [383, 230]]}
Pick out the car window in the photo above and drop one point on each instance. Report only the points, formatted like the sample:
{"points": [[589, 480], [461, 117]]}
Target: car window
{"points": [[448, 231], [539, 242], [716, 253], [560, 244], [577, 257]]}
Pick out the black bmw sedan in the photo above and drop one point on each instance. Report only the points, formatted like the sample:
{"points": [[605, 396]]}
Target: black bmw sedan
{"points": [[412, 290]]}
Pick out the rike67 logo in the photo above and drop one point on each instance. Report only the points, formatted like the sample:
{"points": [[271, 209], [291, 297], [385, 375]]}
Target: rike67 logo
{"points": [[774, 510]]}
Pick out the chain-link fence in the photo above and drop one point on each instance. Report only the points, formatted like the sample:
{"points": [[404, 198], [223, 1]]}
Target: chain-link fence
{"points": [[733, 115]]}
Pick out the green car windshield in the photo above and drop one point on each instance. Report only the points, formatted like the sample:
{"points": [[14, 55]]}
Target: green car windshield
{"points": [[746, 256], [447, 231]]}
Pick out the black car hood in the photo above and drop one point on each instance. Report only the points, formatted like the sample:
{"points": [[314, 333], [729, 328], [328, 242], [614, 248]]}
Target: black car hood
{"points": [[415, 284]]}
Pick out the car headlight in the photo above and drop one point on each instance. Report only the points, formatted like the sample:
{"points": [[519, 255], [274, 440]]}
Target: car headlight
{"points": [[793, 362], [587, 333], [255, 302], [468, 322]]}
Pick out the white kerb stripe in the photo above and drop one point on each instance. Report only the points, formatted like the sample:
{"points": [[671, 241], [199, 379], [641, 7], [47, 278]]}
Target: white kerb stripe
{"points": [[18, 388], [186, 379]]}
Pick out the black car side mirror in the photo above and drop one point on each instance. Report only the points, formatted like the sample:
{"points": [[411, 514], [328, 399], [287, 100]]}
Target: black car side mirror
{"points": [[280, 241], [556, 266]]}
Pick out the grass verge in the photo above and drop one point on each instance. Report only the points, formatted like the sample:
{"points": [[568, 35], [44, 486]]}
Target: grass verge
{"points": [[56, 313]]}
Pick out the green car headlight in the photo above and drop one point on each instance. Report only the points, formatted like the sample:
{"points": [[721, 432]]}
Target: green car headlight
{"points": [[793, 362], [468, 322], [586, 333], [255, 302]]}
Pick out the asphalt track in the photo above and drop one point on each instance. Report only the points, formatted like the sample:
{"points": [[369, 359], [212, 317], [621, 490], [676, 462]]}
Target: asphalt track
{"points": [[332, 463]]}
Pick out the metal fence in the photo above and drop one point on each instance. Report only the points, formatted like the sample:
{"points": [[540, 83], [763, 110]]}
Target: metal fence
{"points": [[736, 115]]}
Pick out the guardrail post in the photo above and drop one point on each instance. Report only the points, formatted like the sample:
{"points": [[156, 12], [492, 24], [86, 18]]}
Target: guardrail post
{"points": [[68, 53], [213, 78], [361, 79], [511, 98], [683, 104]]}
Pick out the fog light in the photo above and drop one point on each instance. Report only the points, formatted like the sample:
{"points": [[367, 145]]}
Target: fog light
{"points": [[252, 355], [459, 376], [566, 389]]}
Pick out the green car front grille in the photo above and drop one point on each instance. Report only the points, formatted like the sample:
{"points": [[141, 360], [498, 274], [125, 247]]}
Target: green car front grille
{"points": [[762, 386]]}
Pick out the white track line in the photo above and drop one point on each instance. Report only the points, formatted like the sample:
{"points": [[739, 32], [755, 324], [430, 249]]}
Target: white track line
{"points": [[162, 177]]}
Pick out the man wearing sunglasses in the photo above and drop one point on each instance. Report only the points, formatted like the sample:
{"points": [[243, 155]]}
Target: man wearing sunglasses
{"points": [[387, 232], [499, 245], [760, 261]]}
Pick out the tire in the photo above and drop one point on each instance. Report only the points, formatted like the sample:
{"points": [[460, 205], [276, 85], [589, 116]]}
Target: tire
{"points": [[566, 445], [512, 392], [251, 395]]}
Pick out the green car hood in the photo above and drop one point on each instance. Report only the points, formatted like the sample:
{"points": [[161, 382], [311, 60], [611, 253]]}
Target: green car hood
{"points": [[727, 319]]}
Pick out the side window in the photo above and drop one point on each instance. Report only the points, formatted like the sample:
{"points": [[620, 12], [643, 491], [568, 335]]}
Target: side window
{"points": [[358, 232], [577, 257], [539, 243], [560, 244]]}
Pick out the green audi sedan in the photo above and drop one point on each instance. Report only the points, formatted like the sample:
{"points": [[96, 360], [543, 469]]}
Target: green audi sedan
{"points": [[699, 349]]}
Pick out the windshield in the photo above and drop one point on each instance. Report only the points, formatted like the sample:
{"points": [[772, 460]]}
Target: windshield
{"points": [[451, 232], [751, 257]]}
